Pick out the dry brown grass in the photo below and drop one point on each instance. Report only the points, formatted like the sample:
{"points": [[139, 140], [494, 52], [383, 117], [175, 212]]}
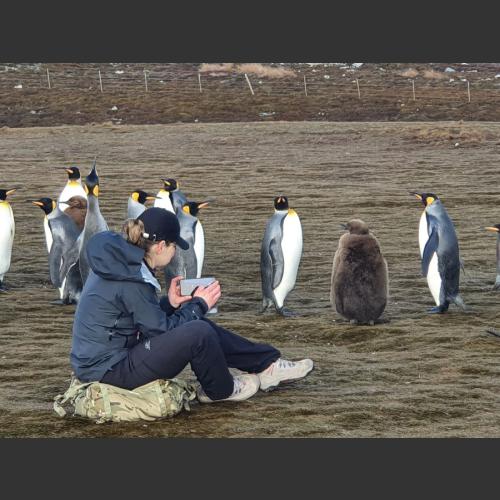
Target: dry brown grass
{"points": [[223, 68], [463, 135], [409, 73], [434, 75], [261, 70], [256, 69]]}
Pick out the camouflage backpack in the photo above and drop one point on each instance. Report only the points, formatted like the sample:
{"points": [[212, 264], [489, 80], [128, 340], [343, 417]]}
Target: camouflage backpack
{"points": [[106, 403]]}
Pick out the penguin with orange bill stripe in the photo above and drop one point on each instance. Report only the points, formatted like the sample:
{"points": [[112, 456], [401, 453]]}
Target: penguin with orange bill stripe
{"points": [[439, 252], [73, 187], [7, 232], [136, 203], [192, 208], [280, 256]]}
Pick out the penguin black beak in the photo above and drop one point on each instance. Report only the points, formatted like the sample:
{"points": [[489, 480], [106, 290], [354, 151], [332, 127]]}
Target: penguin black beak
{"points": [[204, 204], [492, 229], [11, 191], [344, 226], [151, 197], [418, 196], [36, 203]]}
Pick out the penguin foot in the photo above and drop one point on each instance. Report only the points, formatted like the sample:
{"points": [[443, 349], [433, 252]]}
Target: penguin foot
{"points": [[3, 288], [287, 313], [437, 310], [353, 321]]}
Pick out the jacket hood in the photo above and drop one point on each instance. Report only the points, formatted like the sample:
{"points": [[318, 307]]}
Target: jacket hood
{"points": [[111, 257]]}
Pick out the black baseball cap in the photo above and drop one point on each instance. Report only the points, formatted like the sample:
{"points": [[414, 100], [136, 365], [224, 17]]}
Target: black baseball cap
{"points": [[161, 224]]}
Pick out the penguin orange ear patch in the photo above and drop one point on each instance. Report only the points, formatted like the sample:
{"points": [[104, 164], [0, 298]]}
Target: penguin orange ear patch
{"points": [[95, 190], [429, 200], [135, 196]]}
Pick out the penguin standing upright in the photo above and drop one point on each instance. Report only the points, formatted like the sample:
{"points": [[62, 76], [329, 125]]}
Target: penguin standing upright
{"points": [[164, 197], [73, 188], [136, 203], [184, 262], [439, 252], [48, 205], [496, 229], [61, 233], [359, 275], [280, 256], [94, 223], [171, 197], [7, 232], [192, 208]]}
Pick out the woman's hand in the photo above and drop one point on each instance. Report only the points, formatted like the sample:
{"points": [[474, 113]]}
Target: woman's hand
{"points": [[210, 294], [174, 293]]}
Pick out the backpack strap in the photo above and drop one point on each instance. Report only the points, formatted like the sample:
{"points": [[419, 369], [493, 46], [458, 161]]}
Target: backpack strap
{"points": [[70, 395], [161, 398], [105, 400]]}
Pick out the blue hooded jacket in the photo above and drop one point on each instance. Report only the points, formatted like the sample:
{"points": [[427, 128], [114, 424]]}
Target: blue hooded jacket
{"points": [[118, 303]]}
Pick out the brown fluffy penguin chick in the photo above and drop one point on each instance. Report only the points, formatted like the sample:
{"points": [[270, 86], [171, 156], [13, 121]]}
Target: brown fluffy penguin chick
{"points": [[360, 281], [77, 210]]}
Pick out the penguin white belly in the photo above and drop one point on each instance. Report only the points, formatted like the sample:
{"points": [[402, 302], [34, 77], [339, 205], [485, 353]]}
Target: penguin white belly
{"points": [[7, 231], [70, 190], [163, 201], [423, 233], [199, 248], [48, 234], [291, 247], [434, 279]]}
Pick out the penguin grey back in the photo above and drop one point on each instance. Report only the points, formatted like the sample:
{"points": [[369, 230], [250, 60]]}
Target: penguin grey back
{"points": [[271, 257], [184, 262], [446, 248], [360, 280]]}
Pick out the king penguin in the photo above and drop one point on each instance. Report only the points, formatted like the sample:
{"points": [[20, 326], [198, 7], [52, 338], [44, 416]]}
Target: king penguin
{"points": [[48, 205], [7, 232], [496, 229], [61, 233], [280, 256], [94, 223], [136, 203], [359, 275], [184, 263], [164, 197], [439, 252], [73, 187], [192, 208], [171, 197]]}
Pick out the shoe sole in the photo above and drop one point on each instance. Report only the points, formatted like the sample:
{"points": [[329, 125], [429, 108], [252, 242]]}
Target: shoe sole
{"points": [[289, 381]]}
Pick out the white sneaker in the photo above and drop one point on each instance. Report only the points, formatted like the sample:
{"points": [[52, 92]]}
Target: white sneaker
{"points": [[245, 386], [284, 371]]}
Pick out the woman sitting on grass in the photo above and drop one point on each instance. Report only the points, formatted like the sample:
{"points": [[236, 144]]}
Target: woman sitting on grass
{"points": [[124, 336]]}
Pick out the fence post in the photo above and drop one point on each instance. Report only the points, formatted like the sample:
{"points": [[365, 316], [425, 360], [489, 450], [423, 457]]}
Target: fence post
{"points": [[100, 80], [468, 89], [305, 85], [249, 84], [413, 86], [48, 77], [199, 80], [359, 93], [146, 79]]}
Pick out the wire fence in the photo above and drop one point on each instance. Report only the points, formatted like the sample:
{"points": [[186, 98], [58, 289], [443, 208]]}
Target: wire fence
{"points": [[450, 90]]}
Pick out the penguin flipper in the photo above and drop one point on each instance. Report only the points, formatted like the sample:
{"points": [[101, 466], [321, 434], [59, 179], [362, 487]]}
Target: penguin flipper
{"points": [[55, 256], [69, 259], [277, 261], [430, 249]]}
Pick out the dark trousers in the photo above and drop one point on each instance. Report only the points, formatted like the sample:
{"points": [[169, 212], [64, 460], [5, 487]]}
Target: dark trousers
{"points": [[209, 348]]}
